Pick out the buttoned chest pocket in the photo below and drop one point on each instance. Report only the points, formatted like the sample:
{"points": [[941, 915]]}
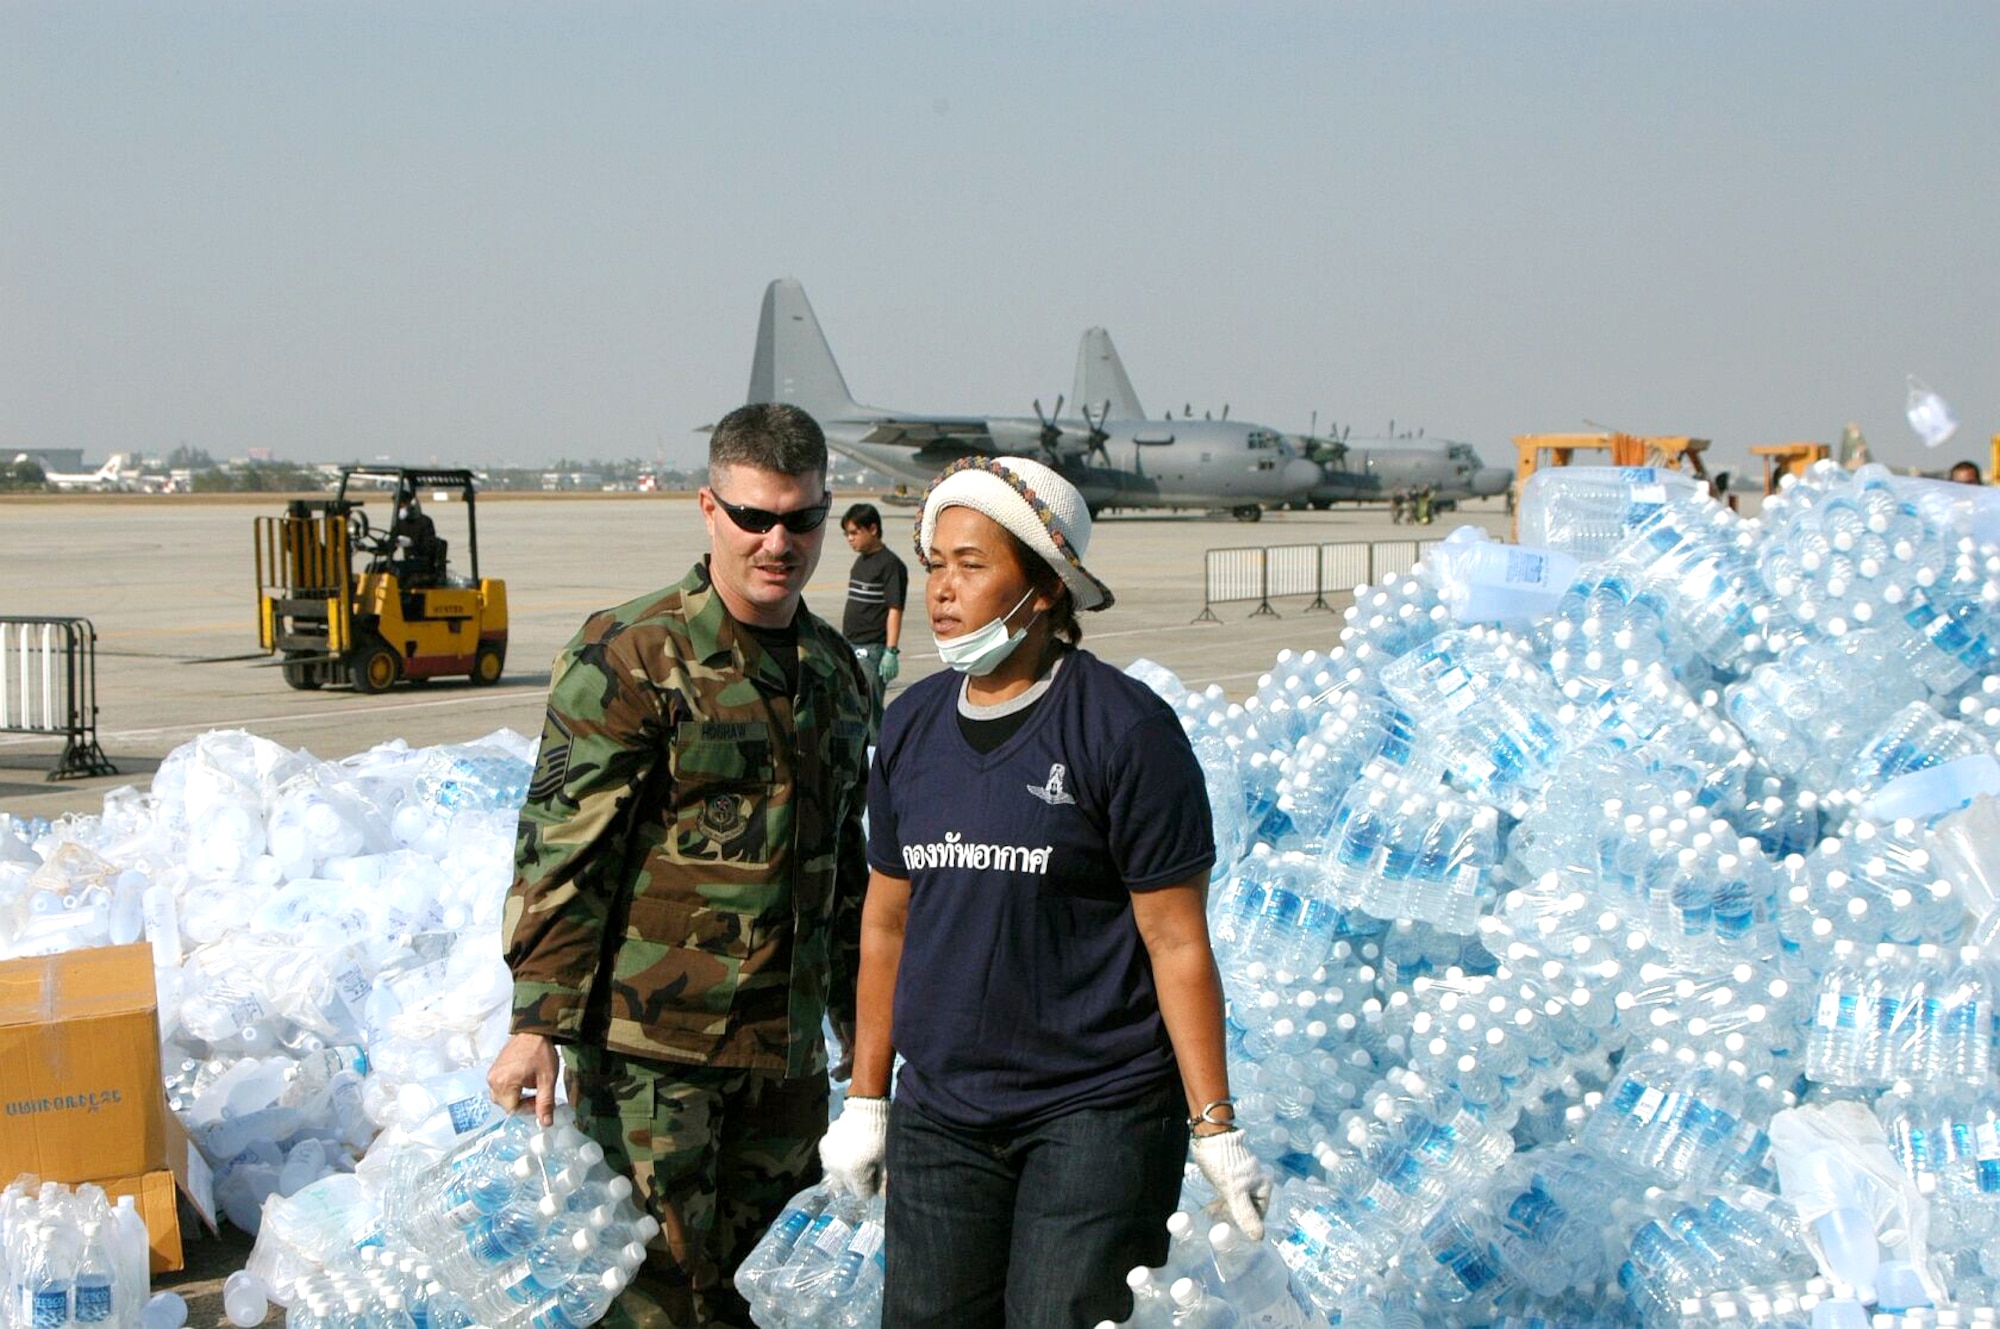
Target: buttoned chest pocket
{"points": [[724, 785], [847, 751]]}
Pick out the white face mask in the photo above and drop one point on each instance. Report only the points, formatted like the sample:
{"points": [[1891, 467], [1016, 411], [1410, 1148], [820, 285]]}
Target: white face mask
{"points": [[981, 651]]}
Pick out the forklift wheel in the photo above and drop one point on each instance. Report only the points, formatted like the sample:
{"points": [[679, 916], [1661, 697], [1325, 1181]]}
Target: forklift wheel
{"points": [[486, 666], [304, 677], [374, 667]]}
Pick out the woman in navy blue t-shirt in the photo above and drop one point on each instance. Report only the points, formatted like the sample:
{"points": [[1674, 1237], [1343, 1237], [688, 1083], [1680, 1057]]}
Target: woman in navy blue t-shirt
{"points": [[1034, 943]]}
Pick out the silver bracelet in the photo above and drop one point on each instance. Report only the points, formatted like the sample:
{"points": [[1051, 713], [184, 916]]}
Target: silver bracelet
{"points": [[1205, 1117]]}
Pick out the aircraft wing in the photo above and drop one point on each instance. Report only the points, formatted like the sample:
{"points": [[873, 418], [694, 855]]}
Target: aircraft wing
{"points": [[922, 431]]}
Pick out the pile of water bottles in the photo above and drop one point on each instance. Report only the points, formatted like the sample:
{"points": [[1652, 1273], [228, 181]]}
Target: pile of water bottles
{"points": [[1576, 905], [325, 934], [74, 1258]]}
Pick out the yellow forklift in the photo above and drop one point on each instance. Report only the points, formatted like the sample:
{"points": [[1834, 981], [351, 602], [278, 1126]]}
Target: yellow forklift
{"points": [[404, 615]]}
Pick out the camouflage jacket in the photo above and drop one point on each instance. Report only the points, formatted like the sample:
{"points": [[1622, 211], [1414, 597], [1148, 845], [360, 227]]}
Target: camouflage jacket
{"points": [[689, 865]]}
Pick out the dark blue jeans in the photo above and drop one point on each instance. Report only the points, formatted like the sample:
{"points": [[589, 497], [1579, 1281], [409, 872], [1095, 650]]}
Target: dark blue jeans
{"points": [[1029, 1229]]}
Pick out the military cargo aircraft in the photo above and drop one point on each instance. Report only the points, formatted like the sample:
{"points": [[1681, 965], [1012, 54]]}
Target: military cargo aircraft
{"points": [[1352, 469], [1115, 463], [1364, 469]]}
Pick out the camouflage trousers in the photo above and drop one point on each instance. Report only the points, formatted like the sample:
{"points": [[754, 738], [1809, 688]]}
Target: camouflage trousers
{"points": [[713, 1154]]}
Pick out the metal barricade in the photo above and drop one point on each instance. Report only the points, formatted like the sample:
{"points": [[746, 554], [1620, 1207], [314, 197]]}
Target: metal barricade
{"points": [[1316, 570], [1392, 556], [48, 685], [1294, 570], [1344, 567], [1234, 574]]}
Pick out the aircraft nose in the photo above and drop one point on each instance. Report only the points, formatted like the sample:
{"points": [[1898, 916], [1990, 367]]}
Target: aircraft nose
{"points": [[1302, 475], [1491, 480]]}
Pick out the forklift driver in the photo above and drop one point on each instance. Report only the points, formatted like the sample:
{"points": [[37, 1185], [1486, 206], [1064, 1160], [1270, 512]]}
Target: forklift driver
{"points": [[415, 550]]}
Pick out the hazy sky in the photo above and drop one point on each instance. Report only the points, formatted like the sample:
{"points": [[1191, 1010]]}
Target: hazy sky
{"points": [[504, 232]]}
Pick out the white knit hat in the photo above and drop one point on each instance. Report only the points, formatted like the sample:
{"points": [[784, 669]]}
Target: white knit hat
{"points": [[1029, 499]]}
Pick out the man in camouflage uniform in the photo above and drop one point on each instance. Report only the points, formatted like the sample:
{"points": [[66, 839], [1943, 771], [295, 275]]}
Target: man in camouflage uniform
{"points": [[689, 872]]}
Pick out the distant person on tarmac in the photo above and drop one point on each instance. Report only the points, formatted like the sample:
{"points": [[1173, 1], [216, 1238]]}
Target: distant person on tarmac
{"points": [[876, 591], [1966, 473]]}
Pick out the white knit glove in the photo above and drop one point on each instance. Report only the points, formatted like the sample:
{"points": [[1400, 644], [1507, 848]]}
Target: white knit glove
{"points": [[1242, 1183], [856, 1143]]}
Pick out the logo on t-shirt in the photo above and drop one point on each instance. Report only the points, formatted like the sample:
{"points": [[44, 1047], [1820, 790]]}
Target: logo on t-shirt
{"points": [[1053, 793]]}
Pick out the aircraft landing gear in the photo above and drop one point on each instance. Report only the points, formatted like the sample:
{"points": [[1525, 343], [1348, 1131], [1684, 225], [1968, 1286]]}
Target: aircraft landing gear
{"points": [[1248, 512]]}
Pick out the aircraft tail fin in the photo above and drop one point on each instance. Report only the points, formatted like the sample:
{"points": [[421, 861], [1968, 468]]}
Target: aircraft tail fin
{"points": [[1100, 378], [793, 362]]}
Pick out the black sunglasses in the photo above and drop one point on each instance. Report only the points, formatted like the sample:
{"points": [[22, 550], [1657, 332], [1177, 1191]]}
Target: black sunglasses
{"points": [[799, 521]]}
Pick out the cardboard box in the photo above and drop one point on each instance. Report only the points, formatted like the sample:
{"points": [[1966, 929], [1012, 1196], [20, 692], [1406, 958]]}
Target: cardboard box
{"points": [[158, 1203], [81, 1098], [155, 1193], [80, 1083]]}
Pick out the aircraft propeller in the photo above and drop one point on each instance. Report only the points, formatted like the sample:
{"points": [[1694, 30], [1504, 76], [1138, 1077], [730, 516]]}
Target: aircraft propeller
{"points": [[1098, 437], [1051, 431]]}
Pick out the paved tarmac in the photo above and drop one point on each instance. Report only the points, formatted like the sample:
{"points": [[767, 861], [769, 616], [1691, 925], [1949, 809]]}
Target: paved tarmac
{"points": [[169, 583]]}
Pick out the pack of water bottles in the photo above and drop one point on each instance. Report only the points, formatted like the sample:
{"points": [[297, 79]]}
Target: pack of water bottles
{"points": [[71, 1258], [514, 1226], [819, 1266], [1533, 924], [1214, 1279], [1590, 510], [1917, 1014]]}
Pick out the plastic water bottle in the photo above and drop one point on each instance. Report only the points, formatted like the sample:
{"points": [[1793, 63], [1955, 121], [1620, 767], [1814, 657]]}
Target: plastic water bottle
{"points": [[1188, 1254], [1834, 1051], [815, 1305], [243, 1300], [1886, 1006], [47, 1281], [97, 1300], [1465, 1267], [1152, 1304], [164, 1310], [1962, 1048], [1195, 1309], [861, 1305], [1253, 1281], [131, 1251], [1913, 739]]}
